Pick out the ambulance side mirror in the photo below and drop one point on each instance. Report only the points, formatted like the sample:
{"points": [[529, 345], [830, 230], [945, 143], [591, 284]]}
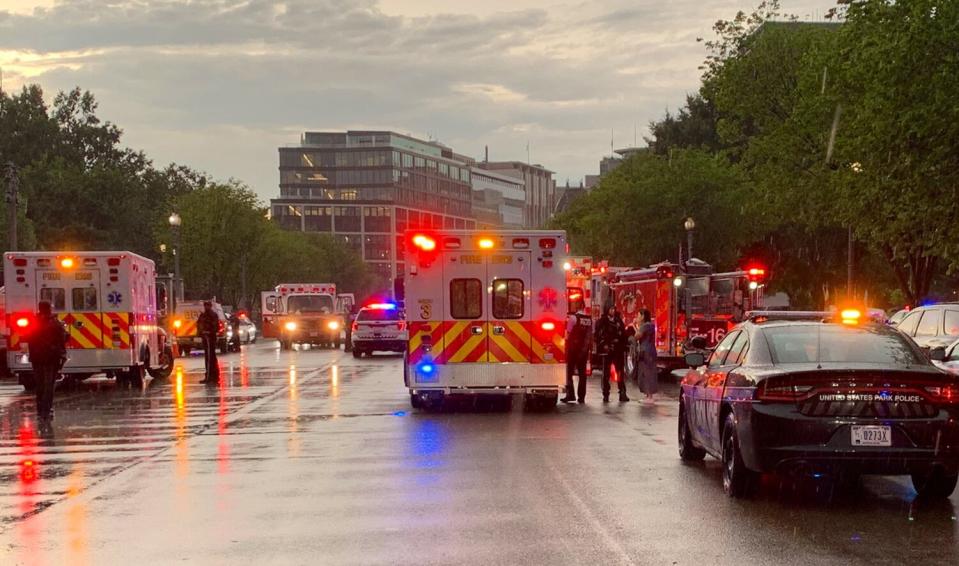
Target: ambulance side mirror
{"points": [[271, 304]]}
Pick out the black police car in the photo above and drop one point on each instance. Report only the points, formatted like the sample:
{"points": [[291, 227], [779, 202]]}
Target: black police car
{"points": [[800, 392]]}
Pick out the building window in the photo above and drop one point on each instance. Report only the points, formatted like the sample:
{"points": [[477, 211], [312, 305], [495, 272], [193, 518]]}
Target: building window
{"points": [[288, 216], [377, 219], [318, 218], [377, 247], [347, 218]]}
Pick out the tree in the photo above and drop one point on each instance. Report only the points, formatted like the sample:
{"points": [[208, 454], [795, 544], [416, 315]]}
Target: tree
{"points": [[693, 127], [635, 215], [897, 145]]}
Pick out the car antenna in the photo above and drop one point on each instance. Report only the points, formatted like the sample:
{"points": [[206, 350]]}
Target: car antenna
{"points": [[818, 346]]}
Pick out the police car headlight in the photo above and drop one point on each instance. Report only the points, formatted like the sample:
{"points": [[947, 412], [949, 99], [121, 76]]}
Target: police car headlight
{"points": [[291, 326], [333, 325]]}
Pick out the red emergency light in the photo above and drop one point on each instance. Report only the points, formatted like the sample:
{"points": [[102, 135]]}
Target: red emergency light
{"points": [[756, 273]]}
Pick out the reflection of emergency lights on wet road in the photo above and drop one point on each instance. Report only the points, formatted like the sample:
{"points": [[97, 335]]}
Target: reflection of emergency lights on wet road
{"points": [[29, 471], [292, 375], [179, 386]]}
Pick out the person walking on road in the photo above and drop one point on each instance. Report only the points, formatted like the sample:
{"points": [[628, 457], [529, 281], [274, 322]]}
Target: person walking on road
{"points": [[208, 326], [579, 331], [611, 341], [48, 351], [646, 362]]}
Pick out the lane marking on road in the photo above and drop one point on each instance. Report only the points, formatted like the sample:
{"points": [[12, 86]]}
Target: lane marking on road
{"points": [[594, 523]]}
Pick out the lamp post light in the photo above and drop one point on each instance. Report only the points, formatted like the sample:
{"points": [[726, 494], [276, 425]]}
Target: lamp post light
{"points": [[175, 222], [689, 225]]}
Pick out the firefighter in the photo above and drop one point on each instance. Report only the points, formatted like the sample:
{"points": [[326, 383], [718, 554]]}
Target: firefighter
{"points": [[611, 343], [48, 352], [208, 326], [579, 330]]}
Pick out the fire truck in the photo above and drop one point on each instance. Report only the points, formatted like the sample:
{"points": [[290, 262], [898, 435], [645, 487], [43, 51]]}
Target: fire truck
{"points": [[486, 314], [685, 302], [302, 313], [106, 301]]}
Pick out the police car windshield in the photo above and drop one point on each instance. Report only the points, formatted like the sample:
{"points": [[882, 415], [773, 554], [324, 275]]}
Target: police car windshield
{"points": [[813, 343], [310, 303], [378, 314]]}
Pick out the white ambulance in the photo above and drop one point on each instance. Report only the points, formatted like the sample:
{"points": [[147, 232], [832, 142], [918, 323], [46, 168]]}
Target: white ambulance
{"points": [[106, 301], [486, 313]]}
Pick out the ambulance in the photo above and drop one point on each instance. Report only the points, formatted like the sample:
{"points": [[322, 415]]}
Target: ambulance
{"points": [[105, 300], [486, 314], [302, 313]]}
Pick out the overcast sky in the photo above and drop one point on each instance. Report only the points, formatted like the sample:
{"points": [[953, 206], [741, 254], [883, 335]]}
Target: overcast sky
{"points": [[218, 85]]}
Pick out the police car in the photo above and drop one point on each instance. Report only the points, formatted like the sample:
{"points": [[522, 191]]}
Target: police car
{"points": [[821, 394], [379, 327]]}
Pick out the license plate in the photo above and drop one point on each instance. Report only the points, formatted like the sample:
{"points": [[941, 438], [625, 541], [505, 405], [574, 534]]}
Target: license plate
{"points": [[871, 435]]}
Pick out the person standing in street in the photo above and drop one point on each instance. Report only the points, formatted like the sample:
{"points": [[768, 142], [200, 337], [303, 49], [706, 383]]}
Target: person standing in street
{"points": [[646, 362], [611, 341], [208, 326], [48, 351], [579, 331]]}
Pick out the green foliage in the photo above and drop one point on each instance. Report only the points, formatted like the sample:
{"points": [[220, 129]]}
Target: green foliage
{"points": [[82, 190], [635, 216]]}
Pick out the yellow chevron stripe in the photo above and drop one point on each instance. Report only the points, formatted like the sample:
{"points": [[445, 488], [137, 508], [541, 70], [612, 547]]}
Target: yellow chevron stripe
{"points": [[504, 344], [464, 350]]}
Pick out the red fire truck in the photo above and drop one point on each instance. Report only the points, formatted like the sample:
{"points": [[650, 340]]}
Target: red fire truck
{"points": [[579, 271], [685, 303]]}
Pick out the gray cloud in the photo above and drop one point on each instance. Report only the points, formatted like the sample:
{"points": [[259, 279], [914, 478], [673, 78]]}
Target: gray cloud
{"points": [[218, 85]]}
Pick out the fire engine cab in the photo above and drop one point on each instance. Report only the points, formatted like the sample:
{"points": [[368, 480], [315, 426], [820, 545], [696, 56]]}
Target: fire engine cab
{"points": [[105, 300], [486, 314], [579, 271]]}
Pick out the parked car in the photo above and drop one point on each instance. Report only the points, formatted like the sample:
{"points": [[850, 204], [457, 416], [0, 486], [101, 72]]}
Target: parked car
{"points": [[897, 317], [932, 326], [242, 330], [820, 397]]}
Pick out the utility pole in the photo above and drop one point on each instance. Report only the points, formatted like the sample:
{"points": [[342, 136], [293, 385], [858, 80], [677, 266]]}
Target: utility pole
{"points": [[13, 204]]}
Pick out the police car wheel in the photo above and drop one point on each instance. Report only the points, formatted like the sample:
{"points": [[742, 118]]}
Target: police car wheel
{"points": [[935, 484], [415, 401], [738, 480], [357, 353], [687, 451]]}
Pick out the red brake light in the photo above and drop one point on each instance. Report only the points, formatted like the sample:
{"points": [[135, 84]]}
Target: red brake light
{"points": [[23, 322], [945, 395], [548, 326], [220, 327], [777, 390], [424, 242], [20, 262], [547, 243], [354, 327]]}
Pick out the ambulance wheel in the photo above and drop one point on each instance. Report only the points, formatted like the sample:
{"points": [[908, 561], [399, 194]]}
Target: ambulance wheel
{"points": [[415, 401], [286, 344], [336, 344], [357, 353], [165, 368], [27, 380]]}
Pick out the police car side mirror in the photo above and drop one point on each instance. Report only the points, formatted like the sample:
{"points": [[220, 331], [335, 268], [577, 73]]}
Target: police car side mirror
{"points": [[698, 342], [695, 359], [937, 354]]}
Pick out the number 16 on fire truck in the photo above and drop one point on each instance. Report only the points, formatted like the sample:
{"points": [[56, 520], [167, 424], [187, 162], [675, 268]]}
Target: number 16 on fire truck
{"points": [[486, 314]]}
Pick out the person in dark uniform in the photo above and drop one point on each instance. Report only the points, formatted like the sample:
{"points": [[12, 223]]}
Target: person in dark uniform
{"points": [[611, 342], [579, 331], [349, 318], [48, 352], [207, 326]]}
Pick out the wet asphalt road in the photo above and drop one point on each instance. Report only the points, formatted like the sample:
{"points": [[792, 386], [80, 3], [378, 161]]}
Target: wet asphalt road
{"points": [[316, 458]]}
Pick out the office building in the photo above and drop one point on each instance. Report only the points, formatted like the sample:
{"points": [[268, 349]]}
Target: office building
{"points": [[367, 187], [539, 186], [499, 201]]}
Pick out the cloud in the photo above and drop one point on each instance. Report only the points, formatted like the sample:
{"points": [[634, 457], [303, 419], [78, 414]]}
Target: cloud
{"points": [[220, 84]]}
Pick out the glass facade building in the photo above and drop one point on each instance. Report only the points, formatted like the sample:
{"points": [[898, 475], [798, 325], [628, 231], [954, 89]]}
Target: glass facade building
{"points": [[366, 188]]}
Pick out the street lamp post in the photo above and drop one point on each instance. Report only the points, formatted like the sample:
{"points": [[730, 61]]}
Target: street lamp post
{"points": [[689, 225], [175, 222]]}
